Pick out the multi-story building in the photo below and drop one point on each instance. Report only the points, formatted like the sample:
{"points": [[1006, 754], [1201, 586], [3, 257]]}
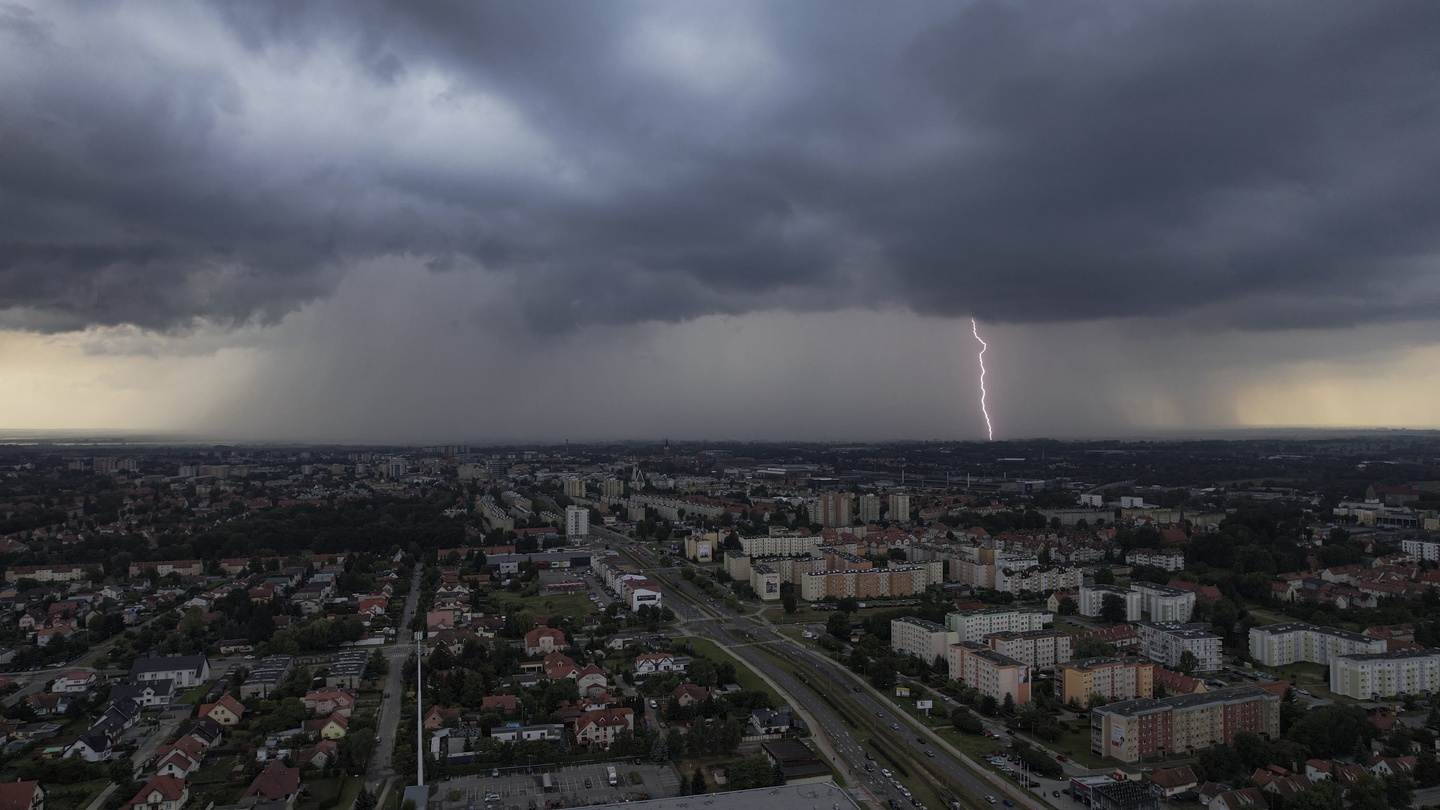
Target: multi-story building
{"points": [[899, 509], [924, 640], [1092, 600], [1384, 675], [765, 581], [1170, 559], [1277, 645], [613, 488], [1164, 603], [1421, 549], [577, 522], [864, 583], [781, 545], [834, 509], [1042, 649], [1166, 642], [975, 625], [1115, 678], [1137, 729], [869, 508], [1037, 578], [993, 674], [574, 487]]}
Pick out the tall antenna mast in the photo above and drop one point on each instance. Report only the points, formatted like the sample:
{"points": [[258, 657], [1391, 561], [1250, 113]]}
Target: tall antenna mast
{"points": [[419, 725]]}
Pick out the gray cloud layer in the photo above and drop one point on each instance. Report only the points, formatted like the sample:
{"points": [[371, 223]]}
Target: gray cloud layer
{"points": [[1251, 165]]}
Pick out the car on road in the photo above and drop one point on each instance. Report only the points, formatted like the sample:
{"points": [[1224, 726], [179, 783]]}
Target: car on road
{"points": [[492, 797], [895, 725], [1061, 758], [929, 753], [494, 773], [870, 767], [857, 689], [653, 704], [1008, 803], [879, 714], [869, 755], [990, 799], [885, 772]]}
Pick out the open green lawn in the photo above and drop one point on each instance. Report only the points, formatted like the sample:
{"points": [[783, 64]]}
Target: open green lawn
{"points": [[576, 605], [74, 797], [745, 676], [330, 793], [217, 771]]}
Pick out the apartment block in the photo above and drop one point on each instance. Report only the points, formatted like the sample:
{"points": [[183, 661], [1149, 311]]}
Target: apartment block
{"points": [[1042, 649], [1165, 642], [1276, 645], [1163, 603], [1092, 600], [765, 581], [1170, 559], [869, 508], [1422, 549], [781, 545], [993, 674], [975, 625], [834, 510], [1038, 579], [899, 509], [1137, 729], [925, 640], [863, 583], [1384, 675], [1116, 678]]}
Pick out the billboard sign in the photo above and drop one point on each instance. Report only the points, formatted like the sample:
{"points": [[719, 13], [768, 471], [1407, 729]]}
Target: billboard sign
{"points": [[1117, 734], [924, 704], [902, 691]]}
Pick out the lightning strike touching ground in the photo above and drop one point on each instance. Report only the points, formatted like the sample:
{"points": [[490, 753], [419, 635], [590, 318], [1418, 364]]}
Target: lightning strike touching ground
{"points": [[989, 429]]}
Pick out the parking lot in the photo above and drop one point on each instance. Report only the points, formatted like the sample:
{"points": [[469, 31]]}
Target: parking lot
{"points": [[515, 789]]}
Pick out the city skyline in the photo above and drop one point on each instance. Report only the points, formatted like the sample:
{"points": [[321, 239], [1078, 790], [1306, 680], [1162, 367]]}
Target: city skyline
{"points": [[376, 223]]}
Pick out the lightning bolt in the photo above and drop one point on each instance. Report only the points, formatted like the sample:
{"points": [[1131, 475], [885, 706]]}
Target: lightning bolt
{"points": [[975, 330]]}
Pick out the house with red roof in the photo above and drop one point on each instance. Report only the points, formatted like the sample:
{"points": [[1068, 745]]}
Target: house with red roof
{"points": [[598, 727], [277, 783], [161, 793], [19, 795]]}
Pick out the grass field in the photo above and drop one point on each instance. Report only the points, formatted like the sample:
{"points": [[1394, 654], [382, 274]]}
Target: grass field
{"points": [[577, 605], [330, 793], [744, 675], [74, 797]]}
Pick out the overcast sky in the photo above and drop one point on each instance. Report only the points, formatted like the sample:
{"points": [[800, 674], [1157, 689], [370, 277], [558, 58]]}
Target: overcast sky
{"points": [[393, 222]]}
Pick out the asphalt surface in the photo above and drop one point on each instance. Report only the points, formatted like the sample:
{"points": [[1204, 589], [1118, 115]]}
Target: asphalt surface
{"points": [[388, 718]]}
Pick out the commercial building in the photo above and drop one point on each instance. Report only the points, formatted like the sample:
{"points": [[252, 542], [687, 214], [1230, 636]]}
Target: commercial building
{"points": [[975, 625], [993, 674], [1384, 675], [924, 640], [1276, 645], [1164, 603], [1116, 678], [1092, 600], [1042, 649], [1166, 642], [1137, 729]]}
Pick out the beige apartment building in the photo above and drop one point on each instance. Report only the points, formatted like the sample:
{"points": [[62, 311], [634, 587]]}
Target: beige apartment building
{"points": [[1042, 649], [993, 674], [1138, 729], [1116, 678]]}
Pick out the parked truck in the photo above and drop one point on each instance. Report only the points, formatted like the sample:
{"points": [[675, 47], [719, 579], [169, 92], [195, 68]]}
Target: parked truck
{"points": [[612, 776]]}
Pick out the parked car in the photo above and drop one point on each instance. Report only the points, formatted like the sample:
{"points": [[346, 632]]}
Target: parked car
{"points": [[1061, 757]]}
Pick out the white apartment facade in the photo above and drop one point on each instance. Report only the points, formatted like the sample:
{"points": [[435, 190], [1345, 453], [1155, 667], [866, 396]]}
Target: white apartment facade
{"points": [[1164, 603], [1422, 549], [1092, 600], [975, 625], [1383, 675], [1041, 649], [577, 521], [922, 639], [1276, 645], [1165, 642]]}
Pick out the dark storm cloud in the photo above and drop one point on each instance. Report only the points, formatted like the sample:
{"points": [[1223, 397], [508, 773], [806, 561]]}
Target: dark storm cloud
{"points": [[1246, 164]]}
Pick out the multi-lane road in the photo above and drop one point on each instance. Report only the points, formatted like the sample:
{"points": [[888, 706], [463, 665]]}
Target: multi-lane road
{"points": [[900, 737], [388, 720]]}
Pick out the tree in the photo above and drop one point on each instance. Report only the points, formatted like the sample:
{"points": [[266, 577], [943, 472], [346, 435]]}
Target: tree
{"points": [[1008, 707], [1188, 663], [1112, 609], [788, 601], [750, 772], [838, 625], [988, 706], [1323, 795], [966, 722], [1368, 793], [1091, 647], [1104, 576], [1333, 730], [1068, 606], [697, 782]]}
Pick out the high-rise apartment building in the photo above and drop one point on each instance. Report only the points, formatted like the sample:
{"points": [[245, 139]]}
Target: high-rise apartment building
{"points": [[899, 509], [1138, 729], [834, 510], [1276, 645], [577, 522], [869, 508], [1115, 678]]}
